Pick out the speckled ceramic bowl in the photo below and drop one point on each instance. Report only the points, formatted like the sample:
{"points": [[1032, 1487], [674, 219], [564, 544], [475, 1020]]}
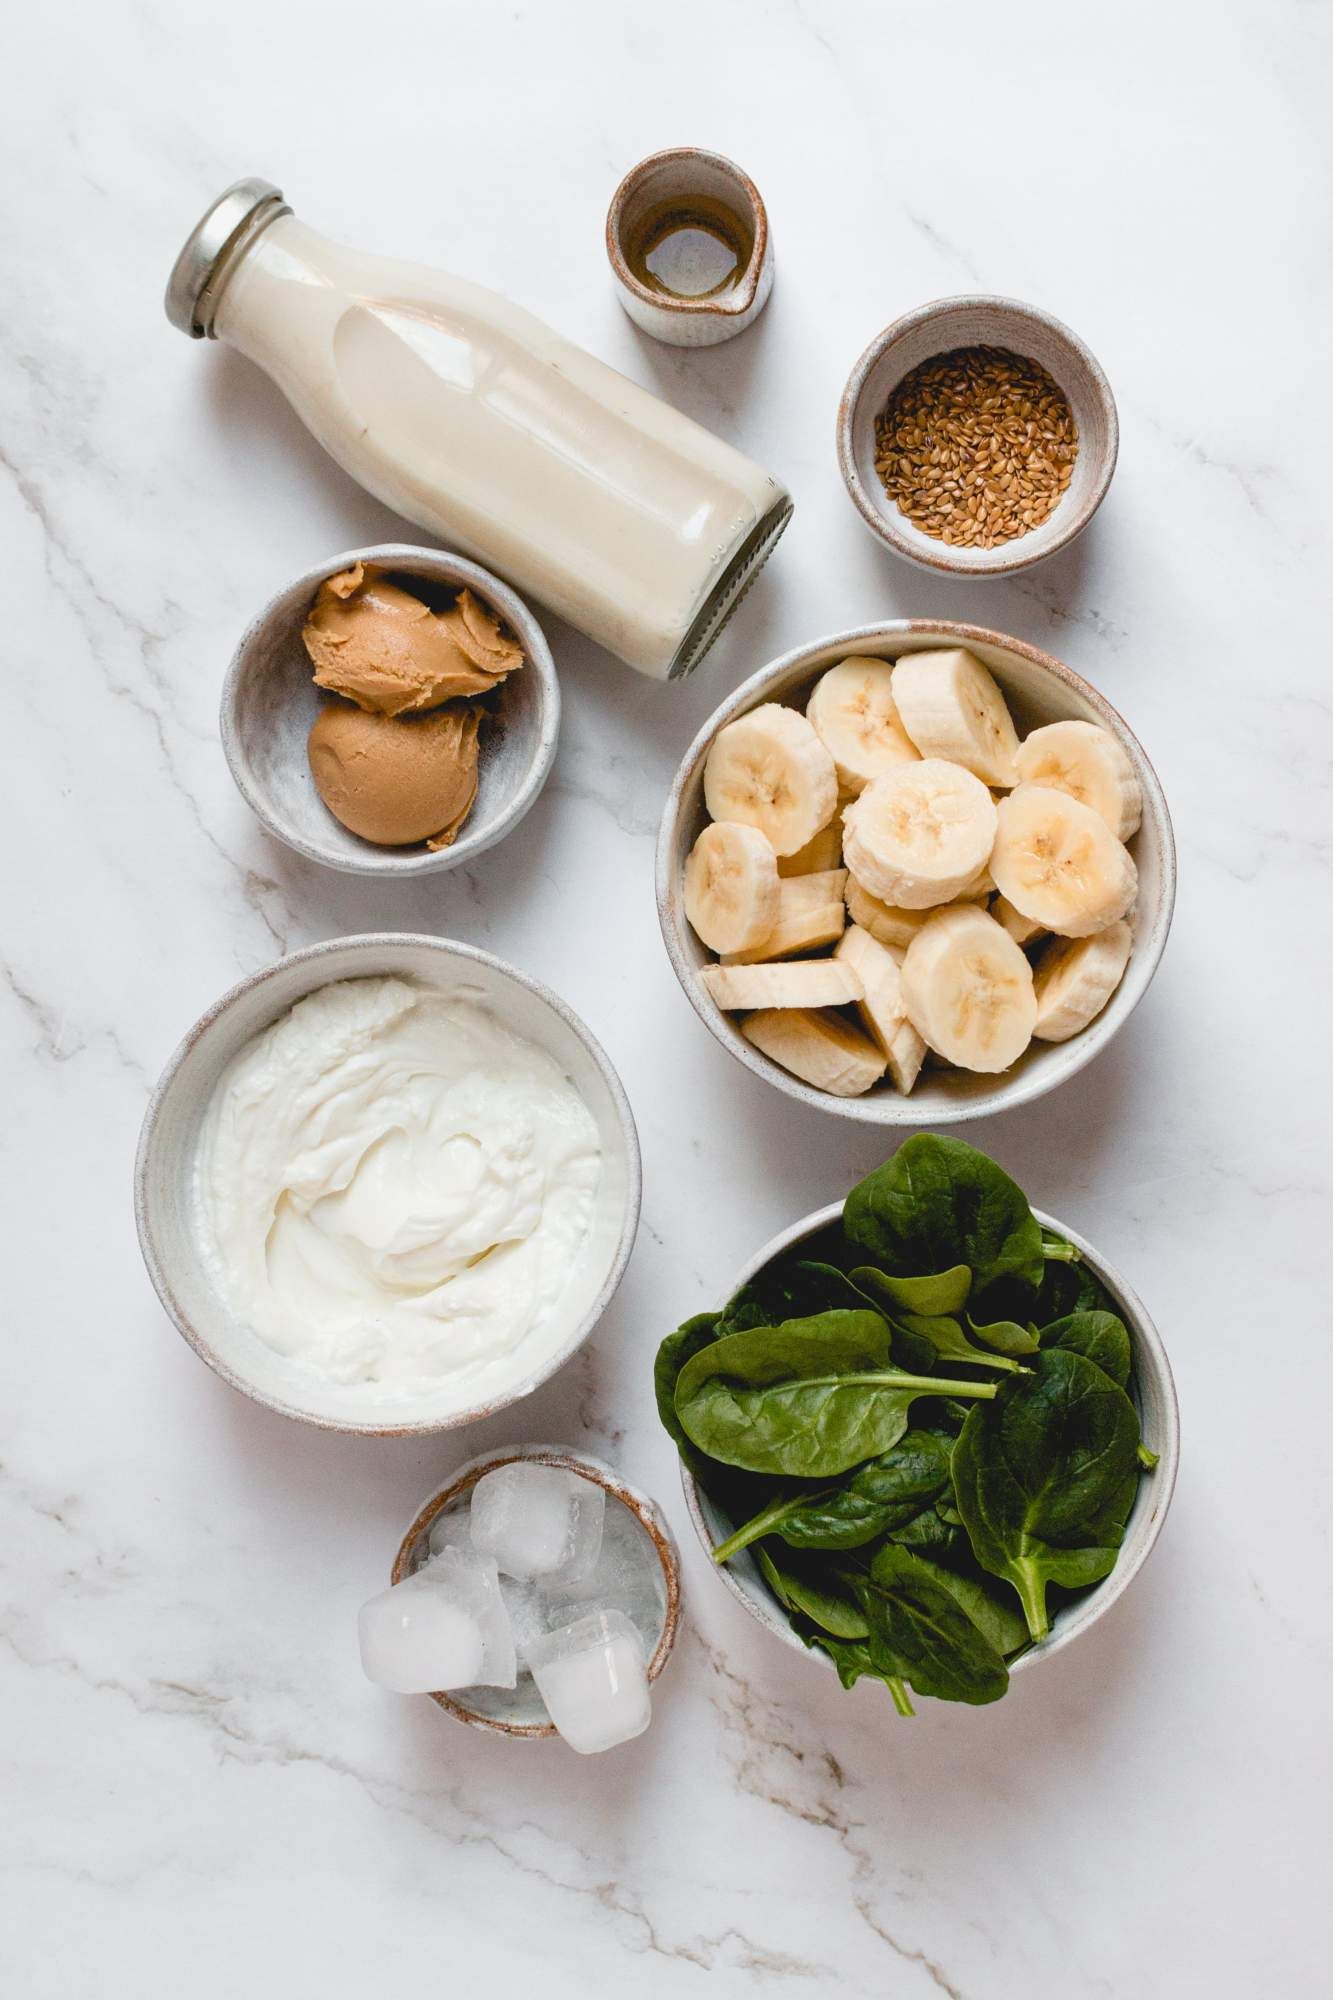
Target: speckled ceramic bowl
{"points": [[270, 701], [977, 321], [518, 1711], [169, 1226], [1152, 1387], [1038, 689]]}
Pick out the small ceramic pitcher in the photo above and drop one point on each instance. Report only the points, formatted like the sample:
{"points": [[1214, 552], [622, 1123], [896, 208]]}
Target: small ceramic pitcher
{"points": [[680, 176]]}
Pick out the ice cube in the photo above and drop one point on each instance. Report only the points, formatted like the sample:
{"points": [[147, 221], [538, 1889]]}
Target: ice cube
{"points": [[592, 1679], [527, 1614], [451, 1530], [538, 1521], [473, 1581], [421, 1636], [627, 1576]]}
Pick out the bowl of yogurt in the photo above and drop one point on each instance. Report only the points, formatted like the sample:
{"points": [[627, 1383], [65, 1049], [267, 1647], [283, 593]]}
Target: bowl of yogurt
{"points": [[388, 1184]]}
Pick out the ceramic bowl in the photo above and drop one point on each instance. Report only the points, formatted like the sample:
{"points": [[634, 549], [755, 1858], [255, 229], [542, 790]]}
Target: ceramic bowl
{"points": [[269, 702], [678, 175], [1039, 689], [976, 322], [518, 1711], [1152, 1387], [164, 1175]]}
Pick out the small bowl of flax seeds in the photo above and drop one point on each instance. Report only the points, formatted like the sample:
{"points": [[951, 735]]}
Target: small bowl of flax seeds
{"points": [[977, 436]]}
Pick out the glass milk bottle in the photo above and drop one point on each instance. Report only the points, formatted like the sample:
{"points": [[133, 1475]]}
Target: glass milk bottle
{"points": [[467, 415]]}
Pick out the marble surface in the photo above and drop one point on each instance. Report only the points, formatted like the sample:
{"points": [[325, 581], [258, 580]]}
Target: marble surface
{"points": [[202, 1796]]}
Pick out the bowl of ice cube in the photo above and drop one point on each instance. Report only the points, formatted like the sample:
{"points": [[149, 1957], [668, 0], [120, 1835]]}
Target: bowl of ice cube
{"points": [[536, 1593]]}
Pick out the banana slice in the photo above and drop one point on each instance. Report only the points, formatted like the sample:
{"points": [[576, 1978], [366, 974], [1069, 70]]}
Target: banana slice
{"points": [[1074, 979], [824, 851], [768, 769], [854, 714], [1020, 928], [822, 1049], [886, 922], [1058, 862], [811, 912], [731, 886], [801, 982], [882, 1007], [979, 888], [951, 707], [1086, 761], [920, 835], [967, 990]]}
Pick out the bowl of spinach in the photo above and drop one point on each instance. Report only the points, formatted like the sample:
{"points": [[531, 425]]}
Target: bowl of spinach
{"points": [[932, 1436]]}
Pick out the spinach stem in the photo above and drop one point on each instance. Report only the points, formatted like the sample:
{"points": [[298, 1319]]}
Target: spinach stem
{"points": [[753, 1529], [1032, 1591], [902, 1701]]}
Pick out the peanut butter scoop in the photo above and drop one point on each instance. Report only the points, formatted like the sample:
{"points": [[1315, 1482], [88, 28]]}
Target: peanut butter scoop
{"points": [[387, 651], [396, 780]]}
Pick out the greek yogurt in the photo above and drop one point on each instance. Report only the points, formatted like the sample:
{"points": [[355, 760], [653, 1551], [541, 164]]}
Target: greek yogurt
{"points": [[393, 1188]]}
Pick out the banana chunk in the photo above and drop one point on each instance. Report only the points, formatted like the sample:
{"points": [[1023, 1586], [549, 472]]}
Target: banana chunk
{"points": [[822, 1049], [1058, 863], [731, 886], [855, 716], [801, 982], [882, 1007], [951, 707], [769, 770], [921, 835], [811, 912], [967, 990], [1074, 979], [1020, 928], [819, 854], [1086, 761]]}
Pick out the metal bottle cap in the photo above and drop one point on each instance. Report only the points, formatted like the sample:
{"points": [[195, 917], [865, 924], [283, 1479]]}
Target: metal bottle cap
{"points": [[222, 234]]}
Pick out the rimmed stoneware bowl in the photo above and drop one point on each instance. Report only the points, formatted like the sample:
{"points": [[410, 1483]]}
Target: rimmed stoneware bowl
{"points": [[518, 1711], [270, 701], [977, 321], [1152, 1387], [169, 1231], [1039, 689]]}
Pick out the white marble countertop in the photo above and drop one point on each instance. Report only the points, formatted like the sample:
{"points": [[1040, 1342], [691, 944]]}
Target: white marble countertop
{"points": [[203, 1797]]}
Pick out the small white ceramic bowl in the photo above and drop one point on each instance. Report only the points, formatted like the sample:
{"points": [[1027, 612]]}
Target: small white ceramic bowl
{"points": [[977, 321], [270, 701], [1038, 689], [681, 174], [1152, 1387], [518, 1711], [164, 1174]]}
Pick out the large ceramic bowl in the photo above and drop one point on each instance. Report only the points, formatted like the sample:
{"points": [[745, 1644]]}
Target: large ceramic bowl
{"points": [[270, 701], [1152, 1387], [164, 1182], [1038, 689]]}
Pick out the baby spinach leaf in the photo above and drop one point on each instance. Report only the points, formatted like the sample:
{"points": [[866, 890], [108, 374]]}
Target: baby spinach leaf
{"points": [[1100, 1337], [1045, 1479], [939, 1203], [990, 1604], [814, 1589], [930, 1533], [674, 1352], [950, 1343], [852, 1659], [920, 1632], [878, 1496], [946, 1292], [1069, 1287], [808, 1399], [1007, 1336]]}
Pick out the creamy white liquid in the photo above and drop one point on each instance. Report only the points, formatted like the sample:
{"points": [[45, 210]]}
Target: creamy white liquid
{"points": [[469, 415], [392, 1187]]}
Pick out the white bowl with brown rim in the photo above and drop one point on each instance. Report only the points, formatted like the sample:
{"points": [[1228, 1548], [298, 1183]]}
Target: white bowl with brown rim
{"points": [[518, 1711], [170, 1229], [1038, 689], [1152, 1387], [976, 321]]}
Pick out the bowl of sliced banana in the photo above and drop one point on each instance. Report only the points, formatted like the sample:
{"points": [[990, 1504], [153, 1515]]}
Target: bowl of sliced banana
{"points": [[915, 873]]}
